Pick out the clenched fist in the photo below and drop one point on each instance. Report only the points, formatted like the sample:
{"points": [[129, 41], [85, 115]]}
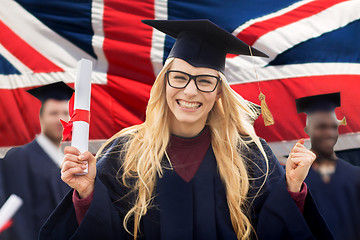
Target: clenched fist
{"points": [[298, 165]]}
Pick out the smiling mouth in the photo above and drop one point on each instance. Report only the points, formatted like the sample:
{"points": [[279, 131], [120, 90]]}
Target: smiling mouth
{"points": [[188, 105]]}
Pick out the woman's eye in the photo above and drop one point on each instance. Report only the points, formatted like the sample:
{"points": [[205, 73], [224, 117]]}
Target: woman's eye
{"points": [[180, 77], [204, 81]]}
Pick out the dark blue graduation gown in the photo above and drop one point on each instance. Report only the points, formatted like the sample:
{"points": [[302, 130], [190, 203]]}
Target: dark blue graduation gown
{"points": [[194, 210], [30, 173], [339, 200]]}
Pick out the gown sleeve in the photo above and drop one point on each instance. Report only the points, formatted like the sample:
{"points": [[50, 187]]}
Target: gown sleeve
{"points": [[275, 214], [104, 217]]}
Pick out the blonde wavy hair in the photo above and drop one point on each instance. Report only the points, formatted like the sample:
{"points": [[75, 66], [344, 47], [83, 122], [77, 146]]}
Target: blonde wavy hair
{"points": [[229, 121]]}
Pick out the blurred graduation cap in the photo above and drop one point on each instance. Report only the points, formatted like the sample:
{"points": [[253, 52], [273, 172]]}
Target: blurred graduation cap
{"points": [[57, 91], [202, 43], [319, 103]]}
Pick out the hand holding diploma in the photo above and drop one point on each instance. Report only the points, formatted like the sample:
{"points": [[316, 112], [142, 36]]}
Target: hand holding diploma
{"points": [[80, 112], [73, 165], [74, 168]]}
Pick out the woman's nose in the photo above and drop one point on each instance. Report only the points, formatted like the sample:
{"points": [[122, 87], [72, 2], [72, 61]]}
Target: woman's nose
{"points": [[191, 88]]}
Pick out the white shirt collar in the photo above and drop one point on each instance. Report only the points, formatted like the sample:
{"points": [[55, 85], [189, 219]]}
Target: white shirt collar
{"points": [[50, 148]]}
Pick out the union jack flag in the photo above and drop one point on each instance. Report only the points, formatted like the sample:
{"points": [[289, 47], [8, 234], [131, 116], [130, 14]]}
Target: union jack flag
{"points": [[313, 47]]}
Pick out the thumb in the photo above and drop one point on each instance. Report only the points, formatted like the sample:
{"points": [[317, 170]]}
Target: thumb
{"points": [[301, 141], [92, 160], [89, 157], [91, 163]]}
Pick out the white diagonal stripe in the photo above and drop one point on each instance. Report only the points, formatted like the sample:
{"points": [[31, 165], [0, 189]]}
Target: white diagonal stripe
{"points": [[271, 15], [335, 17], [14, 81], [97, 12], [238, 74], [158, 38], [13, 60], [240, 69], [50, 44]]}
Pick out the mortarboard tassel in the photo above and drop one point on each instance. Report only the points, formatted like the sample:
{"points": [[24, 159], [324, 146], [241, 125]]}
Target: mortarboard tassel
{"points": [[343, 122], [265, 111]]}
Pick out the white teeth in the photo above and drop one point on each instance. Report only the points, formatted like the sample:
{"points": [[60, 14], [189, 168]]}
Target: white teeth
{"points": [[185, 104]]}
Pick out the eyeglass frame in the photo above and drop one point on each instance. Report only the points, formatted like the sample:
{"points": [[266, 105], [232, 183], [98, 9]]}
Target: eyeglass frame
{"points": [[194, 77]]}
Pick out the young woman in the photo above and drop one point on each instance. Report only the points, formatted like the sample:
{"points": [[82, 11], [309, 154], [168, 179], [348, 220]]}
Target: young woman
{"points": [[195, 168]]}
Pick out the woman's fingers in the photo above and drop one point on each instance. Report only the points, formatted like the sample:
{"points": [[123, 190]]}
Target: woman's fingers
{"points": [[302, 158], [86, 156], [299, 144], [69, 164], [74, 165], [68, 175], [71, 150], [303, 152], [71, 158], [301, 161], [301, 141]]}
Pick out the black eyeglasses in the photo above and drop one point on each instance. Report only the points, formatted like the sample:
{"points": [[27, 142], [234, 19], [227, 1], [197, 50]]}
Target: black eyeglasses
{"points": [[204, 83]]}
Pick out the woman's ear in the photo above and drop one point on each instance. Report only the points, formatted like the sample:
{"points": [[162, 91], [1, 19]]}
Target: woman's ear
{"points": [[218, 95], [219, 92]]}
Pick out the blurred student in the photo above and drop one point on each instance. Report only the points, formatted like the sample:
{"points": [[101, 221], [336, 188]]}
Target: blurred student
{"points": [[334, 183], [32, 171]]}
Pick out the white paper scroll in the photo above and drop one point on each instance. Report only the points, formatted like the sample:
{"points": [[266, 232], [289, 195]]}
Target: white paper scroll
{"points": [[80, 135], [8, 210]]}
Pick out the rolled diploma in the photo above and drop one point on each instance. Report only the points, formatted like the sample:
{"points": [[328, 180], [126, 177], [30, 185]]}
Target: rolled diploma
{"points": [[9, 209], [80, 135]]}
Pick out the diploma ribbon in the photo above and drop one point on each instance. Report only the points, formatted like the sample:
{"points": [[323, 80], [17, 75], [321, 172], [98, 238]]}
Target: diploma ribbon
{"points": [[6, 225], [75, 116]]}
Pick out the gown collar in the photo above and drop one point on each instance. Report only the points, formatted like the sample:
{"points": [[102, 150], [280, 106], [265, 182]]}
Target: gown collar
{"points": [[186, 154]]}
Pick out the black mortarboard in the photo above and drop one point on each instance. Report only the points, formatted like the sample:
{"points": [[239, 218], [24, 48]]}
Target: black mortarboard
{"points": [[316, 103], [58, 91], [202, 43]]}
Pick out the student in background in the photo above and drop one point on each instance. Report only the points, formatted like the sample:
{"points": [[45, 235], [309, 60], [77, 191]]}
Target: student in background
{"points": [[32, 171], [334, 183]]}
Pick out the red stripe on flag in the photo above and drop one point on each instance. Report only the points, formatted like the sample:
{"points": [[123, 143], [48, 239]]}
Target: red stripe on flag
{"points": [[24, 52], [281, 95], [126, 35], [119, 104], [258, 29], [129, 100], [20, 119]]}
